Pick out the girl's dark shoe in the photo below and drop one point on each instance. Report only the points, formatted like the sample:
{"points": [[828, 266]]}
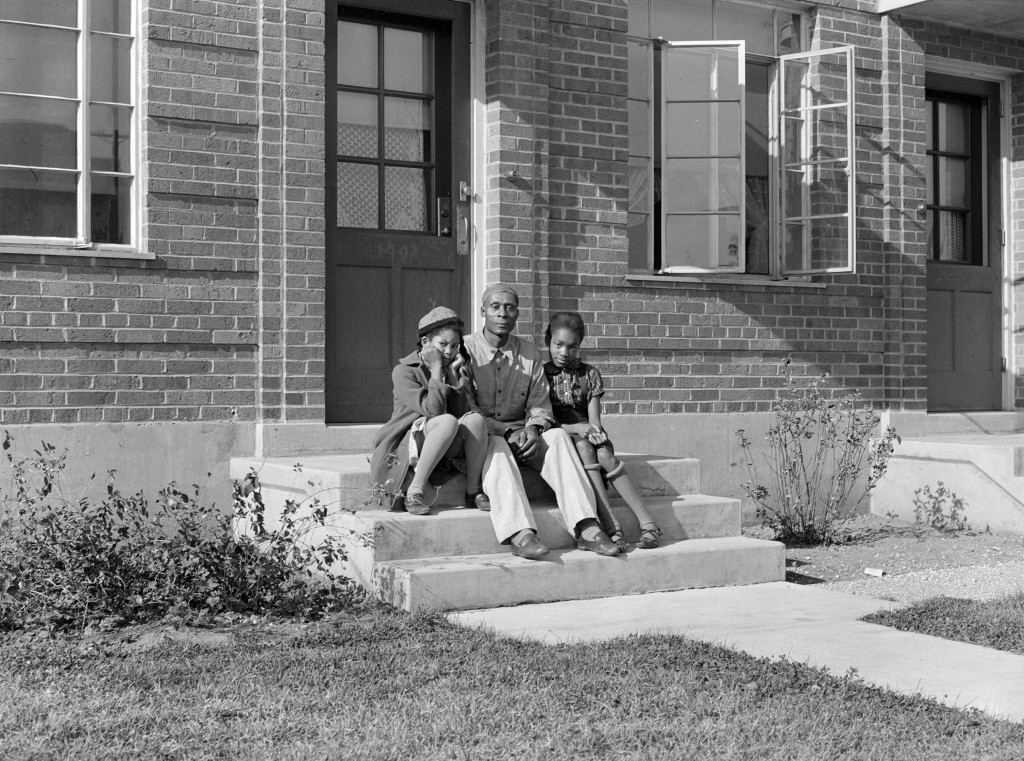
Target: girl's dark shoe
{"points": [[479, 500], [649, 536]]}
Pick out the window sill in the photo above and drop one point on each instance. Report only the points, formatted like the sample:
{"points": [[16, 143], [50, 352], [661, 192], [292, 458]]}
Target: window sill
{"points": [[685, 281], [64, 251]]}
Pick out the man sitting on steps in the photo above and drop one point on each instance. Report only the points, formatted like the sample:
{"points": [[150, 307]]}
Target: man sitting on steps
{"points": [[512, 393]]}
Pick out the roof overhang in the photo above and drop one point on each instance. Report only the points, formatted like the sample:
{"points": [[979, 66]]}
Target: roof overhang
{"points": [[1005, 17]]}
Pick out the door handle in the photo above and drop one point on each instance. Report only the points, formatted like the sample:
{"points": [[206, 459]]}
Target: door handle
{"points": [[463, 230]]}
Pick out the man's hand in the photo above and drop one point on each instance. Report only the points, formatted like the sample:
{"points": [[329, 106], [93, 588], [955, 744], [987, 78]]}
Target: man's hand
{"points": [[524, 443]]}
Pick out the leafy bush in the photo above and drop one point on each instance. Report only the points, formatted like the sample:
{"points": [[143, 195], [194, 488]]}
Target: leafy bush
{"points": [[69, 562], [941, 509], [818, 449]]}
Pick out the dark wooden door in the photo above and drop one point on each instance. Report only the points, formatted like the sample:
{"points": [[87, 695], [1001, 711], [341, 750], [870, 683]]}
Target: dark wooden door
{"points": [[399, 242], [964, 271]]}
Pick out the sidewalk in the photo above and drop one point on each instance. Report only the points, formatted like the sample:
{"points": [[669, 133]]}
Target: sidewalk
{"points": [[819, 627]]}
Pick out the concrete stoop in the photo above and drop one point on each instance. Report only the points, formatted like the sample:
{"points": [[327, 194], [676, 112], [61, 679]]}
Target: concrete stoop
{"points": [[986, 470], [450, 560]]}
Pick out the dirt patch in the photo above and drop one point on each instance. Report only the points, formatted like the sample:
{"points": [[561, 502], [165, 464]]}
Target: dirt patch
{"points": [[902, 551]]}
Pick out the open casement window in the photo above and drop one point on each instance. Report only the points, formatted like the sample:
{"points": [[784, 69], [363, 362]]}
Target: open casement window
{"points": [[702, 212], [68, 123], [817, 166]]}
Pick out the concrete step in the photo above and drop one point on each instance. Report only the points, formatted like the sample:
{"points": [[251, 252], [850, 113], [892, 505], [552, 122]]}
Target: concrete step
{"points": [[986, 470], [343, 481], [492, 580], [389, 535]]}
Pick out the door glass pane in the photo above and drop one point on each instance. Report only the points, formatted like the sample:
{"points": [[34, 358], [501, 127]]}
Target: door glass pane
{"points": [[827, 191], [110, 16], [357, 54], [954, 127], [639, 70], [817, 244], [357, 125], [708, 185], [111, 209], [954, 182], [38, 132], [709, 241], [357, 195], [703, 129], [110, 144], [639, 174], [37, 203], [38, 61], [952, 234], [407, 129], [639, 127], [405, 198], [408, 64], [818, 81], [39, 12], [111, 69], [789, 32]]}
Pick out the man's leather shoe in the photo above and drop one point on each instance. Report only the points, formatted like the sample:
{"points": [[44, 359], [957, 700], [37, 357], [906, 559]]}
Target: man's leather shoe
{"points": [[529, 547], [600, 544]]}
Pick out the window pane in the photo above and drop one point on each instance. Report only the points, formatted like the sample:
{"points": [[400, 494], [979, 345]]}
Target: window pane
{"points": [[954, 182], [357, 195], [703, 129], [702, 73], [954, 127], [790, 26], [110, 69], [821, 136], [111, 16], [639, 70], [357, 55], [38, 61], [819, 81], [640, 185], [817, 244], [639, 18], [38, 132], [673, 22], [38, 12], [820, 190], [407, 129], [37, 203], [111, 209], [638, 234], [952, 236], [407, 61], [639, 127], [405, 198], [704, 242], [692, 185], [746, 22], [357, 125], [111, 138]]}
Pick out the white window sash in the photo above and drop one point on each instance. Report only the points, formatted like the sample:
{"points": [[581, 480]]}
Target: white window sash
{"points": [[83, 202], [716, 244], [806, 150]]}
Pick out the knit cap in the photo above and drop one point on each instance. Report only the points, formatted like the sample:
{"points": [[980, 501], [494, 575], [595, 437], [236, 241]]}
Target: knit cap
{"points": [[437, 318], [497, 288]]}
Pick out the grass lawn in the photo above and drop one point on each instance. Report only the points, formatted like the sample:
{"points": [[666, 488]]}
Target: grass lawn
{"points": [[383, 685], [997, 624]]}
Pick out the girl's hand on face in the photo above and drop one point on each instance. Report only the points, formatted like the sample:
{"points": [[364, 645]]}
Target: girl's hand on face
{"points": [[457, 364], [432, 358]]}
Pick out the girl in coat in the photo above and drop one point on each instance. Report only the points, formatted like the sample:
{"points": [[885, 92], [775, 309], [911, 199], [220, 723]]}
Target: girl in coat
{"points": [[434, 421]]}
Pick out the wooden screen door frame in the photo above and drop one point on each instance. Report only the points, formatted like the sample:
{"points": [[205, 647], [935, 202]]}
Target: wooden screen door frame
{"points": [[965, 299], [392, 261]]}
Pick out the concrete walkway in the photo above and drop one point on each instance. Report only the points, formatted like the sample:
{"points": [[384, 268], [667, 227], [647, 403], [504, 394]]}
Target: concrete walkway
{"points": [[818, 627]]}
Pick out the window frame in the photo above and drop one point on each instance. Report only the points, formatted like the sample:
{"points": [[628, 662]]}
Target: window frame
{"points": [[82, 244]]}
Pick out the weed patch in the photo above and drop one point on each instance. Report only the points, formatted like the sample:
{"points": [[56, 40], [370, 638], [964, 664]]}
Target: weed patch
{"points": [[68, 561]]}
